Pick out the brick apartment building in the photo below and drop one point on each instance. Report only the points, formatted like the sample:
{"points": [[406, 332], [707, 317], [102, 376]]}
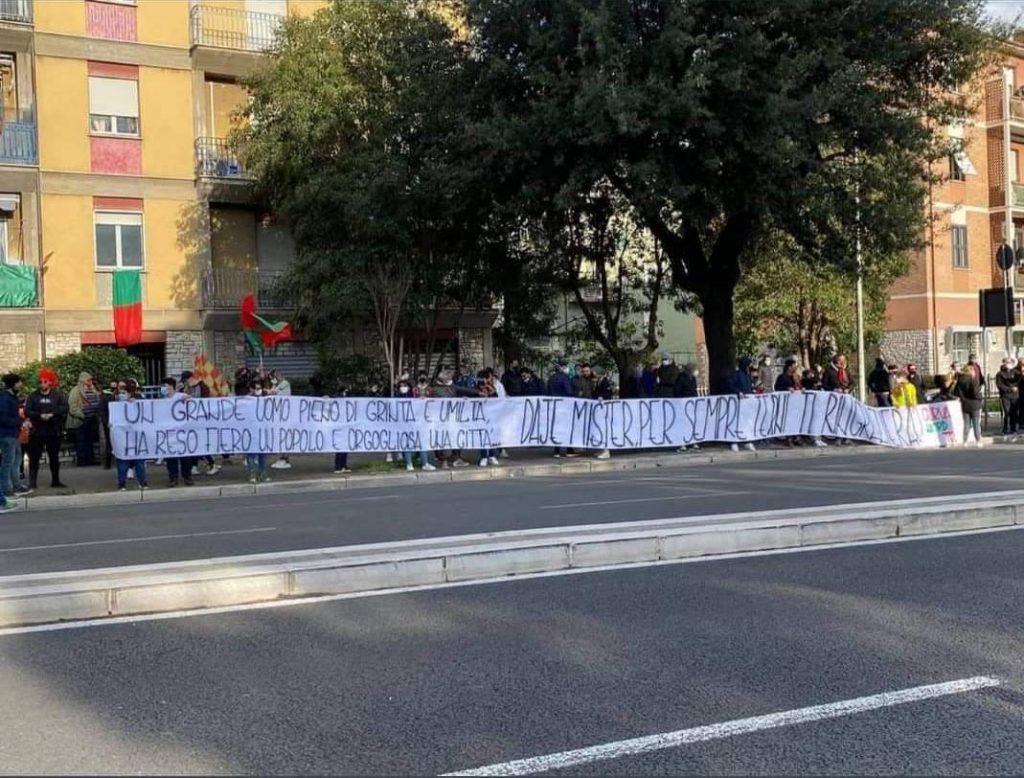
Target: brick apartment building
{"points": [[932, 313]]}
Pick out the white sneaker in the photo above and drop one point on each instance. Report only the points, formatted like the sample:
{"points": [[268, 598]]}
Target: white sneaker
{"points": [[734, 447], [429, 467], [605, 454], [504, 454], [819, 443], [282, 464], [749, 447], [494, 462], [484, 462], [388, 458], [409, 467], [979, 444], [160, 461], [556, 456], [131, 473], [213, 469]]}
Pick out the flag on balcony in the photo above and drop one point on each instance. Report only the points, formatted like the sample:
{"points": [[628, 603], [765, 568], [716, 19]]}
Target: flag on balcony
{"points": [[127, 299], [261, 333]]}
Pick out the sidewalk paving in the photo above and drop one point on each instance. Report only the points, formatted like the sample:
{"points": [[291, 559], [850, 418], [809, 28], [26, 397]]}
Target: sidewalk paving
{"points": [[93, 486]]}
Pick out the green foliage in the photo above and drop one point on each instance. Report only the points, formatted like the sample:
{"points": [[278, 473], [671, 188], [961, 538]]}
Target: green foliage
{"points": [[105, 364], [722, 120], [353, 135], [808, 308], [355, 372]]}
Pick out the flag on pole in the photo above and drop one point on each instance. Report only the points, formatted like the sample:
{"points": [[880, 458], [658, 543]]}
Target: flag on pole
{"points": [[127, 301], [260, 332]]}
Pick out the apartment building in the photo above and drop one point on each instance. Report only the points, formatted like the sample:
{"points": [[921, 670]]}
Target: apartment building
{"points": [[113, 155], [932, 313]]}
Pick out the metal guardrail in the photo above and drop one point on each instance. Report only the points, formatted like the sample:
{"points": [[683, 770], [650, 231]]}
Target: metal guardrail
{"points": [[17, 11], [227, 287], [18, 144], [215, 159], [228, 28]]}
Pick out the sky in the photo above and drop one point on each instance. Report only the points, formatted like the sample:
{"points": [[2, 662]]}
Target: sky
{"points": [[1007, 10]]}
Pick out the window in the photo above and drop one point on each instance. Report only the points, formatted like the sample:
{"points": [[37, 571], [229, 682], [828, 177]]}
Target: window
{"points": [[118, 240], [955, 172], [10, 229], [959, 245], [961, 347], [3, 240], [113, 106]]}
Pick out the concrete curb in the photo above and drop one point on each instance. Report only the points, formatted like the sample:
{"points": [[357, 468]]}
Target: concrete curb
{"points": [[92, 594], [511, 470]]}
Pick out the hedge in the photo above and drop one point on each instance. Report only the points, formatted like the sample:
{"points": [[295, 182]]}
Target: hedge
{"points": [[103, 363]]}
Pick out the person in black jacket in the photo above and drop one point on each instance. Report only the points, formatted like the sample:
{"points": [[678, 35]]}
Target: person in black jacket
{"points": [[47, 410], [686, 383], [530, 385], [1008, 385], [968, 391], [879, 385]]}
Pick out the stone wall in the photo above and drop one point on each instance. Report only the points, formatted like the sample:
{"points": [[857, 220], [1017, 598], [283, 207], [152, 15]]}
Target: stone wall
{"points": [[13, 353], [904, 347], [471, 349], [228, 351], [181, 349], [58, 343]]}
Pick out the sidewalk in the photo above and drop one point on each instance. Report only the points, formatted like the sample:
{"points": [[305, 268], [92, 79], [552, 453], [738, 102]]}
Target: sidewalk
{"points": [[92, 486]]}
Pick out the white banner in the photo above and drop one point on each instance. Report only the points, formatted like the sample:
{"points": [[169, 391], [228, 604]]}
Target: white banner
{"points": [[303, 425]]}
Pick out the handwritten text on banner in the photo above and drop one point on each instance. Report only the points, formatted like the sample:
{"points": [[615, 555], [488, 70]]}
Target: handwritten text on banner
{"points": [[297, 425]]}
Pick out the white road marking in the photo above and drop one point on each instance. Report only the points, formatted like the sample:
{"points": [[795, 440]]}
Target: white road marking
{"points": [[665, 498], [137, 540], [504, 579], [725, 729]]}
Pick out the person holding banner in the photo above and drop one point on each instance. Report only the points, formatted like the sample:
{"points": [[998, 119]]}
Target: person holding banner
{"points": [[130, 394], [405, 392], [177, 467], [255, 464], [561, 385]]}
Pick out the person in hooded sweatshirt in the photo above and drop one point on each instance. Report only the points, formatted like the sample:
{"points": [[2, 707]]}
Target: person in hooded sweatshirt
{"points": [[879, 384], [740, 383]]}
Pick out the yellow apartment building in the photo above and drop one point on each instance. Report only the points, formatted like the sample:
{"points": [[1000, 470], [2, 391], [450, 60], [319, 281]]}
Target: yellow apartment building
{"points": [[113, 155]]}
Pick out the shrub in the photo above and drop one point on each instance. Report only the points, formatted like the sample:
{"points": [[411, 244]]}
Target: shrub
{"points": [[103, 363]]}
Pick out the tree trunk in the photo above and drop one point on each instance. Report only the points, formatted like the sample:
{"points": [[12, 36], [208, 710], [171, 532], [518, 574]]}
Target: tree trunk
{"points": [[719, 312]]}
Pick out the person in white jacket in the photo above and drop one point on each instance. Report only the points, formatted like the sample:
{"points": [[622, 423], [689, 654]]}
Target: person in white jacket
{"points": [[279, 385]]}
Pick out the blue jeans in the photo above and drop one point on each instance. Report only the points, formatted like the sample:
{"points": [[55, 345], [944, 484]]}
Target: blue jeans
{"points": [[488, 453], [124, 465], [85, 438], [424, 458], [340, 460], [256, 464], [9, 449]]}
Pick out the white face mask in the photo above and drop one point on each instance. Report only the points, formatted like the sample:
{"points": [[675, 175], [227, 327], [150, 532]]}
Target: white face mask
{"points": [[167, 391], [122, 396], [403, 390]]}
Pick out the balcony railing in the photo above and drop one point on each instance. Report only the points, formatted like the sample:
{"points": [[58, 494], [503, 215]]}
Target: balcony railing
{"points": [[17, 11], [228, 28], [1017, 199], [227, 287], [215, 159], [18, 144]]}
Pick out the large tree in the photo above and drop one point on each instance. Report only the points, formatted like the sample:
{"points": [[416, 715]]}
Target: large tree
{"points": [[351, 135], [807, 307], [721, 119]]}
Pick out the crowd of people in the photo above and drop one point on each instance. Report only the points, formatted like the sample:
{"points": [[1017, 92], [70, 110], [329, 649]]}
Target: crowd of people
{"points": [[37, 424]]}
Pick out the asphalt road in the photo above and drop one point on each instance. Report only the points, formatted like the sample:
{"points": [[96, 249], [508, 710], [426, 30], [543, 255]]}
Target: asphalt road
{"points": [[457, 678], [80, 538]]}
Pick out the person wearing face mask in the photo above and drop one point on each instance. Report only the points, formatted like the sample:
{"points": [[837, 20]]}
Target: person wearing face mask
{"points": [[280, 387], [46, 409], [177, 467], [445, 386], [255, 464], [130, 393], [405, 392]]}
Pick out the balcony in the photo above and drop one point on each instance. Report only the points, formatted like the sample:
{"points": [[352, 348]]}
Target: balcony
{"points": [[227, 287], [18, 144], [18, 286], [215, 159], [16, 11], [228, 28], [1017, 198]]}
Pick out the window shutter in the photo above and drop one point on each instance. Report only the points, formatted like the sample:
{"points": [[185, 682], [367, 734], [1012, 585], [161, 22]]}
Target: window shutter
{"points": [[113, 96]]}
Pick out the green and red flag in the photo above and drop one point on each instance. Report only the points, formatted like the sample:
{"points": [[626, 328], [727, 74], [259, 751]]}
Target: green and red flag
{"points": [[261, 333], [127, 299]]}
